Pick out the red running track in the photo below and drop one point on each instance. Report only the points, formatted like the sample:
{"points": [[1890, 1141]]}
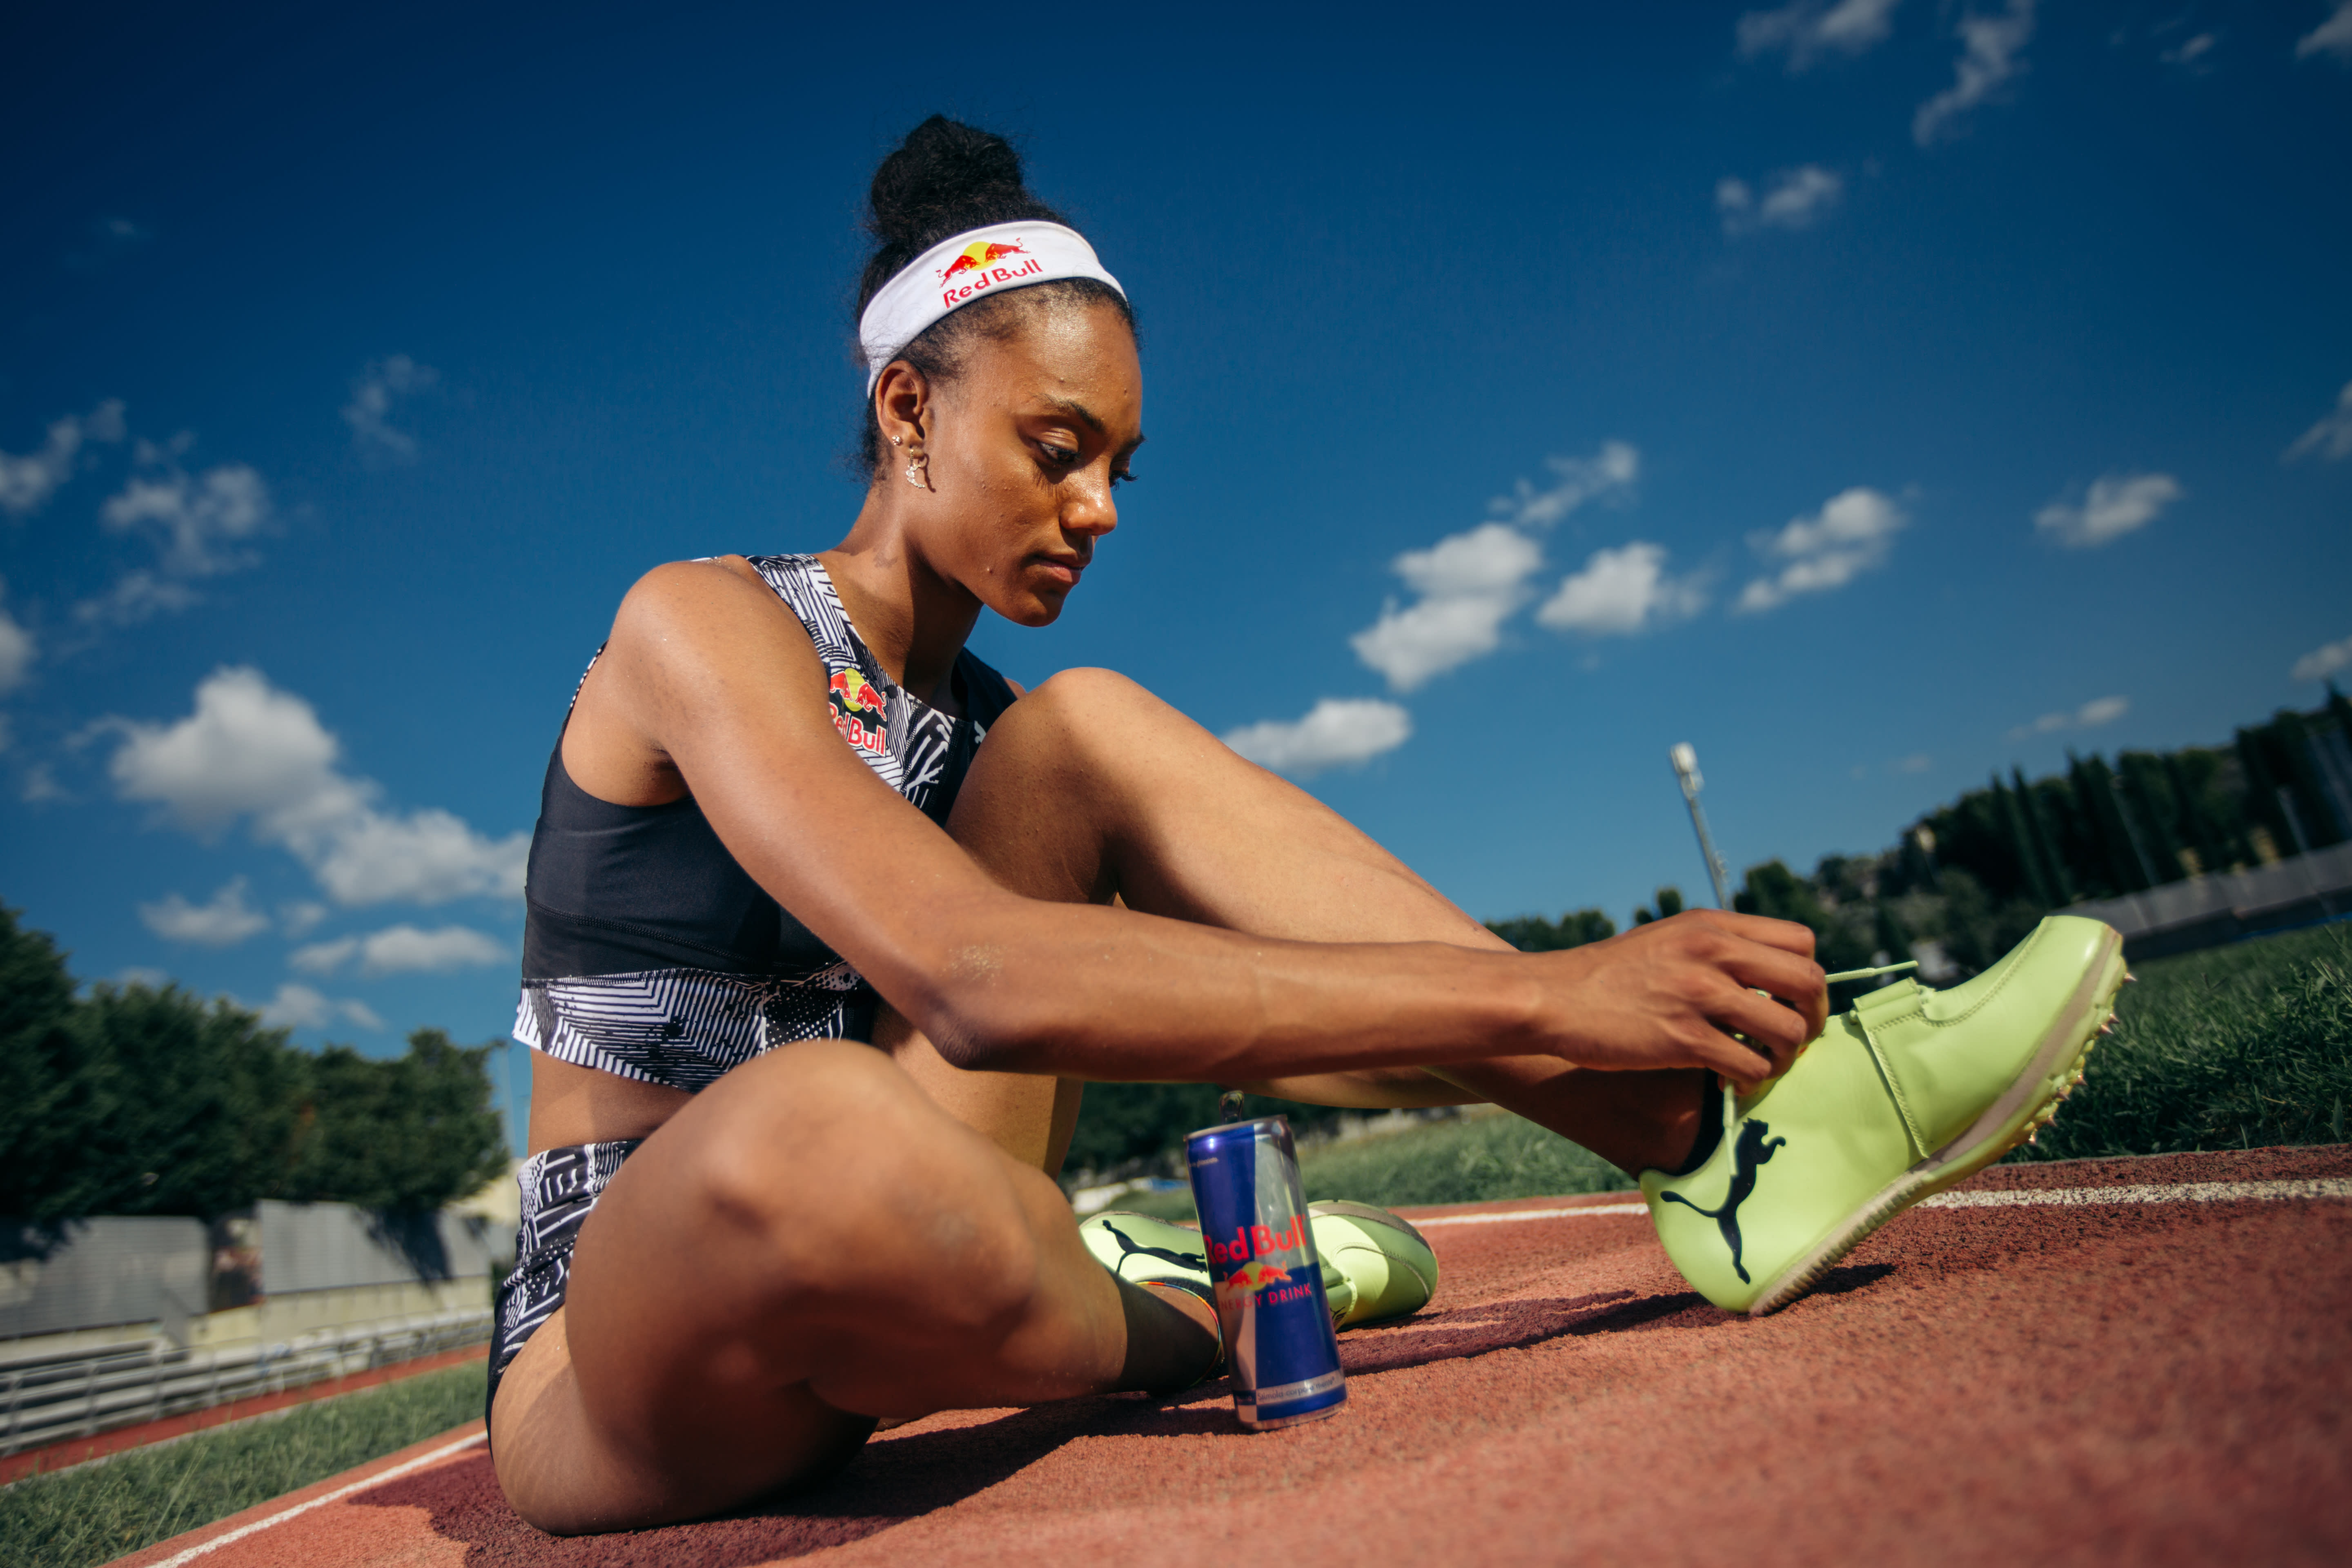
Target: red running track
{"points": [[2045, 1382]]}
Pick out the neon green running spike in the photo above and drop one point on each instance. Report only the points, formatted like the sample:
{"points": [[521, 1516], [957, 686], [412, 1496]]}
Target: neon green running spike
{"points": [[1911, 1091], [1375, 1265]]}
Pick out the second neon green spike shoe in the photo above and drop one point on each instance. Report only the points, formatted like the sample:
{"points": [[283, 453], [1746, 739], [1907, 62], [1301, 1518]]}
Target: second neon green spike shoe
{"points": [[1375, 1265], [1387, 1267], [1911, 1091]]}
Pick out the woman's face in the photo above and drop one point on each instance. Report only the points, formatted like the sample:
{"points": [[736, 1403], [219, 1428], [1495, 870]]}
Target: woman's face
{"points": [[1026, 445]]}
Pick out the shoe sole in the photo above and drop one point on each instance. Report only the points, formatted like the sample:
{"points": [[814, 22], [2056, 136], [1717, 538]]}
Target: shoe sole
{"points": [[2030, 1104]]}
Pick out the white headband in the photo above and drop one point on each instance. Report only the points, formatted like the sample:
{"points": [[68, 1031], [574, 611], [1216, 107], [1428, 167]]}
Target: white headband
{"points": [[958, 270]]}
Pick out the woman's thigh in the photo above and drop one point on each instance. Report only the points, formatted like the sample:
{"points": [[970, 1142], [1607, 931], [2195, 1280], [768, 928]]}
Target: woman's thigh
{"points": [[810, 1244]]}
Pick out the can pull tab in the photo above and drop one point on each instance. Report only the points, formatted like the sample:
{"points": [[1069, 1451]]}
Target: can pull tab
{"points": [[1229, 1104]]}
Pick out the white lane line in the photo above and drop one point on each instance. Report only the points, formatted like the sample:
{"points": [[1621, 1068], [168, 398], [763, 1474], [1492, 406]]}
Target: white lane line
{"points": [[1505, 1218], [2178, 1193], [258, 1525], [2069, 1197]]}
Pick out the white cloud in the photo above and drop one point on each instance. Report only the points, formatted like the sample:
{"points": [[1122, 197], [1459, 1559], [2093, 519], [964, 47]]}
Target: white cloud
{"points": [[140, 975], [224, 923], [369, 408], [2117, 504], [1852, 534], [196, 516], [40, 785], [402, 950], [250, 750], [298, 920], [1797, 199], [2322, 662], [1337, 732], [1989, 58], [1468, 584], [17, 650], [2089, 716], [1608, 474], [2190, 51], [1917, 762], [2331, 438], [1809, 28], [2331, 37], [137, 597], [1621, 591], [27, 483], [297, 1006]]}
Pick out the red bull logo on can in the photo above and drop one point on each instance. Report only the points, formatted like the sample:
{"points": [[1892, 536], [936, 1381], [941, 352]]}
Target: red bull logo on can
{"points": [[1249, 1271], [977, 263], [860, 711]]}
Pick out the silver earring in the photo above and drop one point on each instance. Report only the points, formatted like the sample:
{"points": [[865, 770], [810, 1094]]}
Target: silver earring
{"points": [[918, 471], [895, 440]]}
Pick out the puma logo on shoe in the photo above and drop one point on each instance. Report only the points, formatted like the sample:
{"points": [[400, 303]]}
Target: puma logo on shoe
{"points": [[1128, 1248], [1753, 1149]]}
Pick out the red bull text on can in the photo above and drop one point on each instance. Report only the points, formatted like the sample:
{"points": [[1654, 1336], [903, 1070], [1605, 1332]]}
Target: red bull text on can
{"points": [[1279, 1347]]}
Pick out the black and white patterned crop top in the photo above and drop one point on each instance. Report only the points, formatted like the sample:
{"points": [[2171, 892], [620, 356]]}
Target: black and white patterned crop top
{"points": [[647, 952]]}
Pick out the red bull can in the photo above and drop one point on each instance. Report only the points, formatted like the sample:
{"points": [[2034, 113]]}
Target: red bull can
{"points": [[1279, 1348]]}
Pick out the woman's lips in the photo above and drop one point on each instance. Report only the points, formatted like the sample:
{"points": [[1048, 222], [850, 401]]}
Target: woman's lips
{"points": [[1064, 571]]}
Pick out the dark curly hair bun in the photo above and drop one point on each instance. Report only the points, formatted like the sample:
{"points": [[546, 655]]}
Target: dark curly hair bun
{"points": [[944, 178]]}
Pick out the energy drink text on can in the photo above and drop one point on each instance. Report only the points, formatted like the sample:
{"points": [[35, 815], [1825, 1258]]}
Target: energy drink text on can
{"points": [[1279, 1347]]}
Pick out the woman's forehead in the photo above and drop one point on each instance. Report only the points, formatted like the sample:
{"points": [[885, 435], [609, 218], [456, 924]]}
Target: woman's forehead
{"points": [[1080, 358]]}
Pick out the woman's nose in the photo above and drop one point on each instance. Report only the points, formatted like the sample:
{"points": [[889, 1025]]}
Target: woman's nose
{"points": [[1091, 508]]}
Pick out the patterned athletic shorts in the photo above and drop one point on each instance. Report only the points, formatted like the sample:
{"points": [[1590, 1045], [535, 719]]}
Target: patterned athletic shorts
{"points": [[559, 1187]]}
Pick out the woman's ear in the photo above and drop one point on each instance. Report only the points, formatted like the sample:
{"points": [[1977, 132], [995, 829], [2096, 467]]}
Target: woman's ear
{"points": [[902, 404]]}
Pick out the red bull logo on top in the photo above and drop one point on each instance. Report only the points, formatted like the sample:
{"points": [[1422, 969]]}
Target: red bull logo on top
{"points": [[860, 711], [978, 260]]}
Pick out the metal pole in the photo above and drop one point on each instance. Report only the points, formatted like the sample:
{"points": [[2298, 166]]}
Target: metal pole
{"points": [[1684, 757]]}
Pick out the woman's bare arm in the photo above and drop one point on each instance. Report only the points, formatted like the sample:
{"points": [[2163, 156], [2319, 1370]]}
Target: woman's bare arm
{"points": [[707, 674]]}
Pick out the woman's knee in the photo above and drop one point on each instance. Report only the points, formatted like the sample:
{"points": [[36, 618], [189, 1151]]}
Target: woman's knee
{"points": [[845, 1180], [1071, 715]]}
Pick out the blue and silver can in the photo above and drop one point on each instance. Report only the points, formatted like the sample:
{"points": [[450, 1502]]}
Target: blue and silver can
{"points": [[1279, 1348]]}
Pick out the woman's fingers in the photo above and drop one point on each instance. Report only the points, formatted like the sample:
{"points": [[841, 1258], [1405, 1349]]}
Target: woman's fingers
{"points": [[1772, 1034], [1794, 981]]}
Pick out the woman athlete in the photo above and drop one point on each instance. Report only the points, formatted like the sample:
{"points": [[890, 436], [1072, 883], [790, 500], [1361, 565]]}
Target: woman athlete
{"points": [[772, 833]]}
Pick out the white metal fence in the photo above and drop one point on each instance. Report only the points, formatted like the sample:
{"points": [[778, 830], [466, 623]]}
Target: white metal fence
{"points": [[80, 1396]]}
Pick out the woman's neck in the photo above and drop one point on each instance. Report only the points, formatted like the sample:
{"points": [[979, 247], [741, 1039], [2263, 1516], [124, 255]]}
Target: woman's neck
{"points": [[914, 620]]}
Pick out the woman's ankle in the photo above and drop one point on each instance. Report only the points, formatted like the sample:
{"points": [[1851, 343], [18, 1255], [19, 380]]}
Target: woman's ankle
{"points": [[1174, 1341]]}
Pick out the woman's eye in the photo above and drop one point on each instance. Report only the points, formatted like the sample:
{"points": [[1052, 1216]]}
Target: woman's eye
{"points": [[1065, 456]]}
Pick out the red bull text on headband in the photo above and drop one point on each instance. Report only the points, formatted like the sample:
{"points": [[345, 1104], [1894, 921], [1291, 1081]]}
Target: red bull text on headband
{"points": [[1279, 1347]]}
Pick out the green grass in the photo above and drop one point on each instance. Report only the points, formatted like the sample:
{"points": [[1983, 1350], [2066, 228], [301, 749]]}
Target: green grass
{"points": [[97, 1512], [2239, 1047], [1482, 1155]]}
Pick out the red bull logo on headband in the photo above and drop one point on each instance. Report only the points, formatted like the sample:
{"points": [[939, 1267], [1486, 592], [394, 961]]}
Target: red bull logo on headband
{"points": [[860, 711], [978, 262]]}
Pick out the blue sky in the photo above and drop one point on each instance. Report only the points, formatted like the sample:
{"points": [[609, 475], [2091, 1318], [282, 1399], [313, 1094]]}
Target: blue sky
{"points": [[1871, 394]]}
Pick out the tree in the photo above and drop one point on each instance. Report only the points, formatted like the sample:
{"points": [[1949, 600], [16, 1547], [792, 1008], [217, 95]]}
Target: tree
{"points": [[37, 1053], [186, 1107], [1533, 933], [137, 1099], [414, 1132]]}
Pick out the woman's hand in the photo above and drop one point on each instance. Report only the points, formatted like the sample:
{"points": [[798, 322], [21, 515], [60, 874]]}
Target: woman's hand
{"points": [[1683, 993]]}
